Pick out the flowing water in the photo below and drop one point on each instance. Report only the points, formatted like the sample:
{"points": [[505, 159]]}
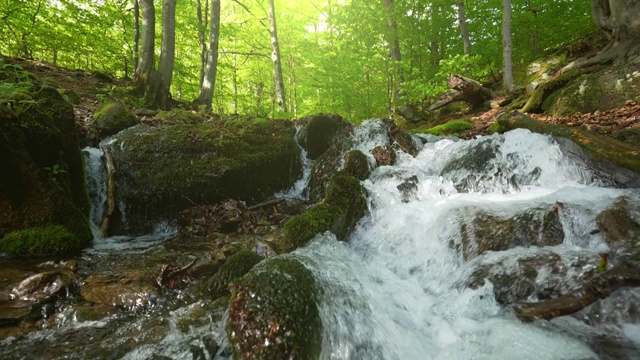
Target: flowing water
{"points": [[398, 289]]}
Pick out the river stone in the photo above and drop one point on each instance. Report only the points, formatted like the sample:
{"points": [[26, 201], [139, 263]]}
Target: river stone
{"points": [[12, 312], [401, 139], [322, 131], [129, 290], [45, 286], [273, 312], [487, 232], [617, 224], [163, 170], [113, 118]]}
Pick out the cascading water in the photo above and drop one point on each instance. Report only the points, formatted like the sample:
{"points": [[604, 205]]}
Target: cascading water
{"points": [[298, 190], [397, 289], [96, 185]]}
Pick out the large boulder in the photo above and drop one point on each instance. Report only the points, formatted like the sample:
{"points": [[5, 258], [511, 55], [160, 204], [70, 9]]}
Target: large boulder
{"points": [[273, 312], [322, 131], [235, 267], [620, 224], [44, 204], [163, 170], [113, 118]]}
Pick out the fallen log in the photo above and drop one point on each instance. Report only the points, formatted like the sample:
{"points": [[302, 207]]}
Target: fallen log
{"points": [[466, 90], [596, 288]]}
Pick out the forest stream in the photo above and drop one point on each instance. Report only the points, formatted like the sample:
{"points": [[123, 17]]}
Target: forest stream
{"points": [[413, 281]]}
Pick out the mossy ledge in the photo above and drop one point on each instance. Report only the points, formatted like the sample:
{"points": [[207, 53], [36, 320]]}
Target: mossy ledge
{"points": [[273, 312], [342, 207], [600, 147]]}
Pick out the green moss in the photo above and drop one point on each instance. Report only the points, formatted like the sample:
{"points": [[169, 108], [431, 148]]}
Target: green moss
{"points": [[450, 127], [235, 267], [273, 313], [495, 128], [49, 240], [180, 115], [302, 228], [70, 96], [356, 164], [112, 118]]}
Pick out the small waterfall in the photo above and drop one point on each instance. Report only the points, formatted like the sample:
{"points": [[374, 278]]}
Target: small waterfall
{"points": [[96, 185], [299, 189]]}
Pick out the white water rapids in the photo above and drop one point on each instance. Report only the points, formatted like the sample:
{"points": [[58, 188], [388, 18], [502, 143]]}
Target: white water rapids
{"points": [[397, 289]]}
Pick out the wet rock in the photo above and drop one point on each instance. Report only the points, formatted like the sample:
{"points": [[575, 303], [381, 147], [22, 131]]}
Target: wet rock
{"points": [[235, 267], [45, 286], [617, 224], [537, 275], [12, 312], [273, 312], [408, 188], [129, 290], [204, 269], [339, 212], [325, 168], [356, 164], [322, 131], [164, 170], [113, 118], [402, 139], [384, 155], [533, 227]]}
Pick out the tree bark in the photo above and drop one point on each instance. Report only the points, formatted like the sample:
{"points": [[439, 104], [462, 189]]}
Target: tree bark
{"points": [[147, 58], [275, 57], [168, 52], [394, 54], [211, 70], [462, 18], [136, 35], [507, 67]]}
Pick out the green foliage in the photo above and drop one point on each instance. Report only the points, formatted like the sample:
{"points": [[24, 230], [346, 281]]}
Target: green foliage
{"points": [[54, 171], [48, 240], [16, 88]]}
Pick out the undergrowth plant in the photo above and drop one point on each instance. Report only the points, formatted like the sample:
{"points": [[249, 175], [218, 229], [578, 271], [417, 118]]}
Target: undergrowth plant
{"points": [[16, 86]]}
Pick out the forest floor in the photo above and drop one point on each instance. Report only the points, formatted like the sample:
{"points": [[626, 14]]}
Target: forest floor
{"points": [[94, 87]]}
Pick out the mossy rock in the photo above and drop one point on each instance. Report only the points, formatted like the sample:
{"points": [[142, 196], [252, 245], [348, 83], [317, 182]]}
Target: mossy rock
{"points": [[356, 164], [341, 209], [402, 140], [628, 135], [535, 101], [113, 118], [618, 225], [165, 169], [70, 96], [602, 90], [235, 267], [49, 240], [42, 186], [322, 131], [273, 312], [323, 170], [181, 116], [449, 128]]}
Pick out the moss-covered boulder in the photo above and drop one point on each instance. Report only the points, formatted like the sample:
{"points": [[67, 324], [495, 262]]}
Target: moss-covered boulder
{"points": [[44, 203], [322, 131], [162, 170], [70, 96], [356, 164], [235, 267], [339, 212], [273, 312], [610, 159], [602, 90], [113, 118]]}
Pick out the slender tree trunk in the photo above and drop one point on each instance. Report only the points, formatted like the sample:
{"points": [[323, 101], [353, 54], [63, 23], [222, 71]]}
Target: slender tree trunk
{"points": [[136, 35], [394, 53], [234, 79], [275, 57], [462, 18], [506, 46], [147, 58], [168, 52], [201, 39], [209, 82]]}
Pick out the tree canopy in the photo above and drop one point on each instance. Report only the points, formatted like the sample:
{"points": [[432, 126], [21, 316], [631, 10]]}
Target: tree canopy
{"points": [[334, 54]]}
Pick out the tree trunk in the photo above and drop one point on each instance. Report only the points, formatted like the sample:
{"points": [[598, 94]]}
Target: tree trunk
{"points": [[464, 89], [394, 54], [507, 67], [209, 82], [168, 52], [136, 35], [147, 58], [277, 62], [620, 22], [202, 27], [462, 18]]}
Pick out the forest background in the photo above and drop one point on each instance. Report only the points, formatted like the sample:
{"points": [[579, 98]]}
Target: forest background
{"points": [[358, 58]]}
